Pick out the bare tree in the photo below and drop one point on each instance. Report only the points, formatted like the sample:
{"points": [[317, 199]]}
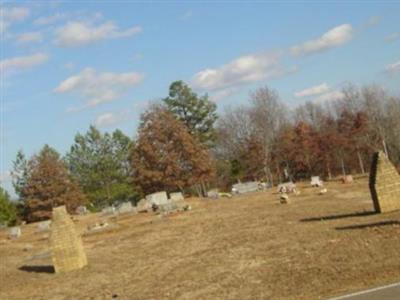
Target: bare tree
{"points": [[268, 115]]}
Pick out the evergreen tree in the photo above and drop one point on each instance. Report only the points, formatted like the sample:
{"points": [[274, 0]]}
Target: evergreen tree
{"points": [[8, 214], [101, 164], [20, 174], [197, 113]]}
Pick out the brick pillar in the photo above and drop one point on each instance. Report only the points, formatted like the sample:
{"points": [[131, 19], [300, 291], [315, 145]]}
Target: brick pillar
{"points": [[66, 246], [384, 184]]}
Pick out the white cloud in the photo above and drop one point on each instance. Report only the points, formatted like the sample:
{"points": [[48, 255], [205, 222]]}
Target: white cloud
{"points": [[98, 87], [320, 93], [243, 70], [218, 96], [10, 15], [329, 96], [335, 37], [109, 119], [393, 68], [312, 91], [75, 34], [106, 119], [23, 62], [30, 37], [50, 19], [393, 37]]}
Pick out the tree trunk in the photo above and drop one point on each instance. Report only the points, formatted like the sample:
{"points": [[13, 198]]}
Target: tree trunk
{"points": [[108, 193], [203, 188], [343, 168], [271, 179], [278, 171], [328, 169], [198, 191], [361, 162]]}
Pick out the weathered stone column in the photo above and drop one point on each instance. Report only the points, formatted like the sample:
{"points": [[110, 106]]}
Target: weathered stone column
{"points": [[66, 246]]}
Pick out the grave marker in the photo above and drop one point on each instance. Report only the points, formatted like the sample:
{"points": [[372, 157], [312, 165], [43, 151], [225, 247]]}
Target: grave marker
{"points": [[66, 245], [15, 232], [158, 198], [384, 183], [125, 207], [245, 187], [316, 181], [176, 196]]}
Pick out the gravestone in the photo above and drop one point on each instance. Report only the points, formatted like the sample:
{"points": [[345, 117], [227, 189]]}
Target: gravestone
{"points": [[323, 191], [125, 207], [143, 206], [66, 245], [158, 198], [287, 187], [176, 196], [384, 184], [213, 194], [284, 199], [15, 232], [166, 208], [316, 181], [110, 210], [245, 187], [347, 179], [44, 225]]}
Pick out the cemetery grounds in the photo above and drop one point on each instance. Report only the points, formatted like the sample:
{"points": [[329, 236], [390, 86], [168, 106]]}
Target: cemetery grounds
{"points": [[246, 247]]}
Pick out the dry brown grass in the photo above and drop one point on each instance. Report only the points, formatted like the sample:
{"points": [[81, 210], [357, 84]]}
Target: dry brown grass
{"points": [[248, 247]]}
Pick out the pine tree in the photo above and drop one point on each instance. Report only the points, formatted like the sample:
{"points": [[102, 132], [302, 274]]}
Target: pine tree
{"points": [[197, 113], [8, 214], [100, 162]]}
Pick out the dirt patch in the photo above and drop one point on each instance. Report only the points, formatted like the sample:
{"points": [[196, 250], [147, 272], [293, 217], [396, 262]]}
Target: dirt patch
{"points": [[241, 248]]}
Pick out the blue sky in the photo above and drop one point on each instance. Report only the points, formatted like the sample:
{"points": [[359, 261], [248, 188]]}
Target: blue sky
{"points": [[66, 65]]}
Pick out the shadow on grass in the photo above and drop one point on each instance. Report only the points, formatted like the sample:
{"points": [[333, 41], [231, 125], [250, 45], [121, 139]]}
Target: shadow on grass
{"points": [[369, 225], [38, 269], [341, 216]]}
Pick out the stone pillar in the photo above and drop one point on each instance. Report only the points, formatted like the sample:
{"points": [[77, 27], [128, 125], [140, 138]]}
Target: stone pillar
{"points": [[384, 184], [66, 246]]}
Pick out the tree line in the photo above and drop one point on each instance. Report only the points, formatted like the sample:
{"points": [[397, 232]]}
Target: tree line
{"points": [[182, 144], [266, 140]]}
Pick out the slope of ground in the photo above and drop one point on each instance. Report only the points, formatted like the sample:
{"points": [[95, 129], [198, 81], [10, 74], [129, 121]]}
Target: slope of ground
{"points": [[247, 247]]}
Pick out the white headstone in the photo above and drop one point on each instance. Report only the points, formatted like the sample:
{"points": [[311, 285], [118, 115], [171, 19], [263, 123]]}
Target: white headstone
{"points": [[108, 210], [287, 187], [143, 206], [15, 232], [125, 207], [213, 194], [158, 198], [245, 187], [176, 196], [316, 181]]}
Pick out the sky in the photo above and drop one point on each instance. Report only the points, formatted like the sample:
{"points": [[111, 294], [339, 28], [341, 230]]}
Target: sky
{"points": [[68, 64]]}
